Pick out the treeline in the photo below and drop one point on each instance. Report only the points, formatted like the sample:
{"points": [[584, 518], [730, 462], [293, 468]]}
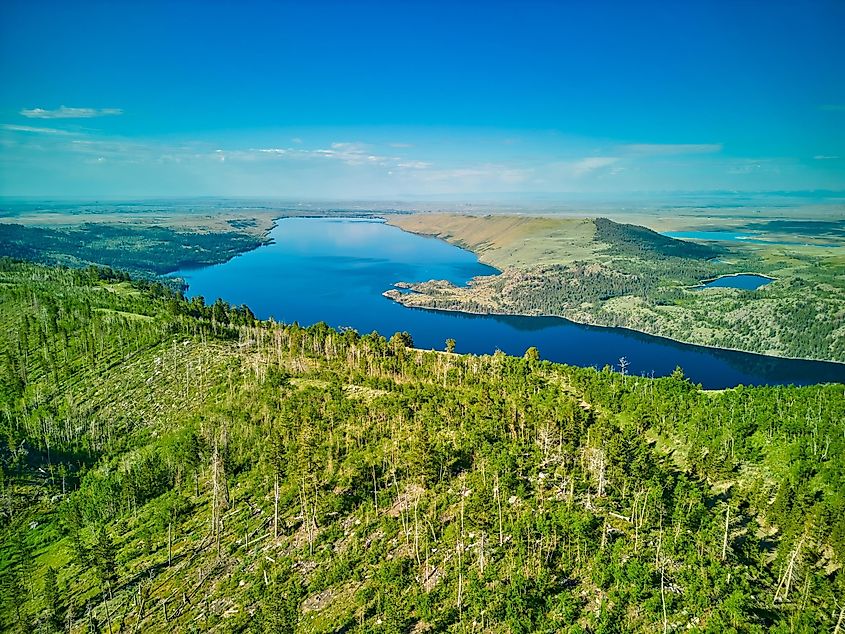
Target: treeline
{"points": [[224, 475], [220, 312]]}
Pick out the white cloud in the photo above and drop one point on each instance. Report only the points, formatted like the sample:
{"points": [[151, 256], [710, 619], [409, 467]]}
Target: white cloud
{"points": [[36, 130], [352, 154], [673, 148], [822, 157], [592, 163], [129, 152], [64, 112], [251, 154], [458, 173], [833, 107], [481, 175], [414, 165]]}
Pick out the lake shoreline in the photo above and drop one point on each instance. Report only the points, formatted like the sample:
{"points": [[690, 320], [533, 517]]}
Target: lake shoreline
{"points": [[351, 265], [268, 240], [381, 217], [605, 326], [708, 280]]}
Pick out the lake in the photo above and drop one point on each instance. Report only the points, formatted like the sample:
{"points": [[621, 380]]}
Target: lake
{"points": [[742, 281], [732, 236], [336, 269], [718, 236]]}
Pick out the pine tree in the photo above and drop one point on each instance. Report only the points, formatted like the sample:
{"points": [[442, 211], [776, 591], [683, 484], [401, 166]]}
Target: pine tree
{"points": [[103, 555], [50, 596]]}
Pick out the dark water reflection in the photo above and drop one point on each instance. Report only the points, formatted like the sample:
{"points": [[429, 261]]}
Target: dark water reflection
{"points": [[335, 270]]}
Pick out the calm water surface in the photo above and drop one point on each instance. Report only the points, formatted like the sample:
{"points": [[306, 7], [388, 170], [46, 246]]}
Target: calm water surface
{"points": [[743, 281], [335, 270], [730, 236]]}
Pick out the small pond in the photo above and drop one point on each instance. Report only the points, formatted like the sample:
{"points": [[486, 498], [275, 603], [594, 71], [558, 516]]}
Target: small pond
{"points": [[743, 281]]}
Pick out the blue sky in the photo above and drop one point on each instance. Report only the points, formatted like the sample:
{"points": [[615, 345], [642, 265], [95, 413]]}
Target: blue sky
{"points": [[414, 99]]}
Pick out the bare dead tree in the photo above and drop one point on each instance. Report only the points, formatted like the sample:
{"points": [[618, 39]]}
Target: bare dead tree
{"points": [[623, 366], [789, 574]]}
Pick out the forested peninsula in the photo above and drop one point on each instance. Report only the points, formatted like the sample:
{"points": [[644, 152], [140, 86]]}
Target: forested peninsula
{"points": [[176, 466], [605, 273]]}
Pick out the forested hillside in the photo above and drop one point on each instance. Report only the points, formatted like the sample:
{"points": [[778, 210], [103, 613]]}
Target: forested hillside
{"points": [[172, 466]]}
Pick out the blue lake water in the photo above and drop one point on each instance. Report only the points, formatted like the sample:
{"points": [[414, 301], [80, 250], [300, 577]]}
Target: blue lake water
{"points": [[732, 236], [743, 281], [723, 236], [335, 270]]}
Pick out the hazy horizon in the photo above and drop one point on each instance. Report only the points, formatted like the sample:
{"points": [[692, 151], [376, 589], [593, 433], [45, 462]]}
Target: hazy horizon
{"points": [[821, 203]]}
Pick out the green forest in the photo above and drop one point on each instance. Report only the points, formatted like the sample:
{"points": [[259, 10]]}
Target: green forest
{"points": [[172, 465]]}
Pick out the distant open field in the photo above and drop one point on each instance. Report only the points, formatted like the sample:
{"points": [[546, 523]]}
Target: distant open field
{"points": [[196, 218]]}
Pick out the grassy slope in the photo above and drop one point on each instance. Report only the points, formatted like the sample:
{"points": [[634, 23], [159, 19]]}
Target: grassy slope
{"points": [[802, 314], [504, 488], [508, 241]]}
